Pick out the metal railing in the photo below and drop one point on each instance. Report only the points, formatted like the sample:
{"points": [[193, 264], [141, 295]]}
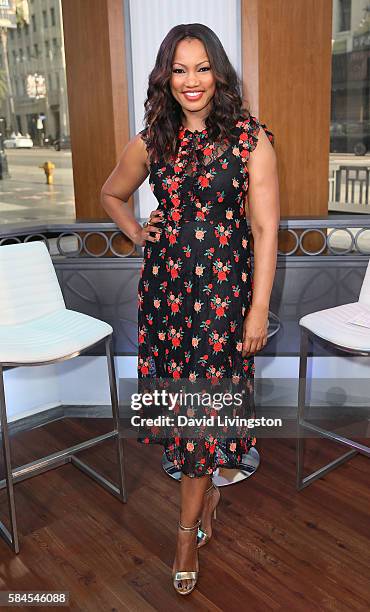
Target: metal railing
{"points": [[338, 235], [349, 188]]}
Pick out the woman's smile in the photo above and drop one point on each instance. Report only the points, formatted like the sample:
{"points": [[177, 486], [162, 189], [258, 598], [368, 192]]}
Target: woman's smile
{"points": [[193, 95]]}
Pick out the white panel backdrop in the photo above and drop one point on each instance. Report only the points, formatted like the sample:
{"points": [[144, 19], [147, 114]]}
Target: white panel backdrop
{"points": [[150, 20]]}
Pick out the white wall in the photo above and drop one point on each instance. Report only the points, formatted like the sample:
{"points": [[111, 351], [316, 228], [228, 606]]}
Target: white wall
{"points": [[81, 381], [31, 390]]}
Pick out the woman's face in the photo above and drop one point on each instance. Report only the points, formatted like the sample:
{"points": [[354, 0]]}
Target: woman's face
{"points": [[192, 74]]}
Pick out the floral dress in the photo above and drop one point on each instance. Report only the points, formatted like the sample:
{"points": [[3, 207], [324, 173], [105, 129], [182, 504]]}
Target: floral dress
{"points": [[195, 290]]}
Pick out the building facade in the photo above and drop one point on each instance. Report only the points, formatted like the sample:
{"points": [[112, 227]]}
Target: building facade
{"points": [[36, 101]]}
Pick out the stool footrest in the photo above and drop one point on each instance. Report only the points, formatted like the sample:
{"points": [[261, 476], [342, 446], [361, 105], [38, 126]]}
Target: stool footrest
{"points": [[54, 460], [28, 470], [306, 480], [104, 482], [332, 435]]}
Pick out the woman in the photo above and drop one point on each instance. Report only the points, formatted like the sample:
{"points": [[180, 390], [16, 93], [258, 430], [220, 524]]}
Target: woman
{"points": [[200, 316]]}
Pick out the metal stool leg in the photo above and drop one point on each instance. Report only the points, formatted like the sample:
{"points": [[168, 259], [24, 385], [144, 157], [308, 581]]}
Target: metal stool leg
{"points": [[301, 441], [10, 537], [304, 481], [115, 412], [118, 491]]}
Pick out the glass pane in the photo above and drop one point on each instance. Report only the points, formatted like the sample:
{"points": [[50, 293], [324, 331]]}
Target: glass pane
{"points": [[349, 173], [35, 154]]}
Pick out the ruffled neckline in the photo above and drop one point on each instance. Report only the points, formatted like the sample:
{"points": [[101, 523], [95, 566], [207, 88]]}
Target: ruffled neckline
{"points": [[187, 132]]}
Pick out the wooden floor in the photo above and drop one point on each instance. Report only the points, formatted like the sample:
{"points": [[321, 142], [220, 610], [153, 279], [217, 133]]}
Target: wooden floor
{"points": [[273, 548]]}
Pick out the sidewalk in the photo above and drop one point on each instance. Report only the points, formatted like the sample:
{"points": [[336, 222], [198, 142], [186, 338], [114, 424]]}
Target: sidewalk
{"points": [[25, 197]]}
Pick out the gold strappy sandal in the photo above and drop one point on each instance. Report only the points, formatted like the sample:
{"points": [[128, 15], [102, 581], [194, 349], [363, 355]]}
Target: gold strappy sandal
{"points": [[203, 537], [179, 577]]}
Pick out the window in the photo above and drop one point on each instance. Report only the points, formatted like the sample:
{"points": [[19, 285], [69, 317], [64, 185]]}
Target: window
{"points": [[35, 104], [350, 107], [344, 15]]}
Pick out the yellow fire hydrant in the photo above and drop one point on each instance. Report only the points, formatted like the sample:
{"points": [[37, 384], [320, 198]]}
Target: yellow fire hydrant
{"points": [[48, 168]]}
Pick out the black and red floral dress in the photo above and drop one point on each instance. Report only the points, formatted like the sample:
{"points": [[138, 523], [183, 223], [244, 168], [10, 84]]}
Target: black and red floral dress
{"points": [[196, 286]]}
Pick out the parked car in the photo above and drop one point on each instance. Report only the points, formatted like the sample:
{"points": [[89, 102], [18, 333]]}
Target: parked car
{"points": [[62, 143], [18, 142], [350, 137]]}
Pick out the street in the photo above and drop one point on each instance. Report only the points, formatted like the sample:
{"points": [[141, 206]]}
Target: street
{"points": [[25, 196]]}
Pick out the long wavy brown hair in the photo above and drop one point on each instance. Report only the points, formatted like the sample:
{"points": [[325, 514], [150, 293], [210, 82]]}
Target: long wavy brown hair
{"points": [[163, 114]]}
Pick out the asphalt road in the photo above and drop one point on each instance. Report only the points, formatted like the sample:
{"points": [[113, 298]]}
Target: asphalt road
{"points": [[23, 165], [26, 197]]}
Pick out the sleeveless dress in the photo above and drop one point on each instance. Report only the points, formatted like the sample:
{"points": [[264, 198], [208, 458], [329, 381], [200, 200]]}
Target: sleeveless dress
{"points": [[195, 289]]}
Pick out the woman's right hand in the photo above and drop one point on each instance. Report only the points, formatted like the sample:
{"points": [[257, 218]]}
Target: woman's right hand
{"points": [[156, 216]]}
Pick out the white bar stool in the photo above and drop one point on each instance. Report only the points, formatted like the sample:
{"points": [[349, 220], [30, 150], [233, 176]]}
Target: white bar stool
{"points": [[36, 328], [332, 328]]}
